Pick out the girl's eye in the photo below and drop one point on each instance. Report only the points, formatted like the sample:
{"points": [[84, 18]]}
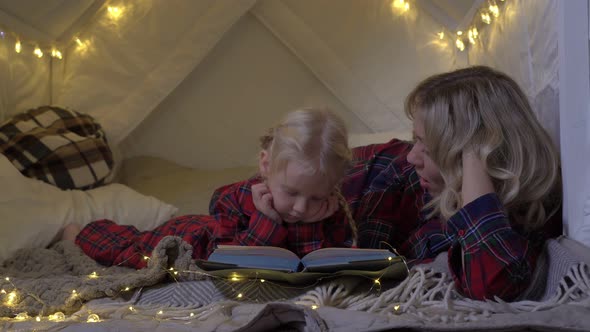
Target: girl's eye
{"points": [[291, 193], [317, 199]]}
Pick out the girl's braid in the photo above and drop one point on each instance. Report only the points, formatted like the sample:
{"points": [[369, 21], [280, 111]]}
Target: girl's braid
{"points": [[344, 204]]}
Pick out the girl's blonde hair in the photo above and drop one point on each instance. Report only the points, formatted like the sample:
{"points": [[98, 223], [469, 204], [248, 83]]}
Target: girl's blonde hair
{"points": [[316, 138], [484, 110]]}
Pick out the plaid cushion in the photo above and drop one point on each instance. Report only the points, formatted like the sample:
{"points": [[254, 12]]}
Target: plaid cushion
{"points": [[61, 147]]}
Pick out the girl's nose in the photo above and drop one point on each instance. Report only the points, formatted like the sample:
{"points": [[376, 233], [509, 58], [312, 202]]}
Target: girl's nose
{"points": [[300, 205]]}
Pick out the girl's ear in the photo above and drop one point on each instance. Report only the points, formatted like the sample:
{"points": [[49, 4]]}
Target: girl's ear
{"points": [[264, 163]]}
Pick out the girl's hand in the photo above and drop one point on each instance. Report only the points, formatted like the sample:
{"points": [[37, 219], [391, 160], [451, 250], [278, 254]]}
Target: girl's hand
{"points": [[263, 202], [328, 207]]}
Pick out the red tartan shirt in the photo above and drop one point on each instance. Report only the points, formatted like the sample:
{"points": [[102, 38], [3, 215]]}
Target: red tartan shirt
{"points": [[488, 255], [238, 222]]}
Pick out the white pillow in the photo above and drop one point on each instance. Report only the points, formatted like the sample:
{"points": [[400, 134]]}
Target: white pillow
{"points": [[32, 212]]}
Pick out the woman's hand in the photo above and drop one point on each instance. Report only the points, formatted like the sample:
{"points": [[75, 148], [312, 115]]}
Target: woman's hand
{"points": [[476, 180], [263, 202], [328, 207]]}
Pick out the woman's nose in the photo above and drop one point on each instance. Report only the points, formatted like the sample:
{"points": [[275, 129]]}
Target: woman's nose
{"points": [[414, 156]]}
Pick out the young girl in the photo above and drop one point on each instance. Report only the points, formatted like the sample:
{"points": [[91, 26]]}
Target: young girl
{"points": [[481, 182], [292, 203]]}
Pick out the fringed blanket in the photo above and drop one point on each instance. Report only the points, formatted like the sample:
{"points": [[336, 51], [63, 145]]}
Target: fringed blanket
{"points": [[42, 282]]}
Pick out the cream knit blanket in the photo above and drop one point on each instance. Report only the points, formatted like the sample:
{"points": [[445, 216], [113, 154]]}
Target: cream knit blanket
{"points": [[43, 281]]}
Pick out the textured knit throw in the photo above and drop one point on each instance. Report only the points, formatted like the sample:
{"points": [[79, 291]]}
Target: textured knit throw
{"points": [[44, 281]]}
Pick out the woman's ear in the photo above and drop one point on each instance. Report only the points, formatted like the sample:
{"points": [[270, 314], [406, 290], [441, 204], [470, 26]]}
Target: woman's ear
{"points": [[264, 163]]}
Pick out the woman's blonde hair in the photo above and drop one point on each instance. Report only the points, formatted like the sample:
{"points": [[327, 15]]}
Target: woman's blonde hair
{"points": [[484, 110], [317, 139]]}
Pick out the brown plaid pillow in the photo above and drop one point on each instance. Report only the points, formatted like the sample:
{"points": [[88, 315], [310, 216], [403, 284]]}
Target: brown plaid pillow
{"points": [[62, 147]]}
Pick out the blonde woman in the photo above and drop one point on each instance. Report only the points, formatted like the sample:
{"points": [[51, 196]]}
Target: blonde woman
{"points": [[292, 203], [481, 182]]}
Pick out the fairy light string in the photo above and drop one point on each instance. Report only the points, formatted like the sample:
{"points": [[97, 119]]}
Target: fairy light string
{"points": [[22, 44], [489, 12], [243, 288]]}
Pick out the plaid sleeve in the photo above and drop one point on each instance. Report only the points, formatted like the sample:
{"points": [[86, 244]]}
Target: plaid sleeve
{"points": [[123, 245], [488, 257], [239, 223]]}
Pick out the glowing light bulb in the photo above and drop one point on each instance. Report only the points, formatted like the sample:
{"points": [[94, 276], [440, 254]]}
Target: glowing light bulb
{"points": [[2, 34], [389, 258], [57, 54], [17, 47], [399, 4], [126, 289], [460, 44], [262, 280], [115, 12], [486, 18], [459, 33], [472, 35], [38, 52], [57, 317], [495, 10], [11, 298], [160, 312], [240, 296], [235, 279], [314, 307], [377, 282], [2, 291], [22, 316], [131, 308], [93, 318], [396, 307], [8, 279], [145, 258], [192, 314], [441, 35], [38, 318]]}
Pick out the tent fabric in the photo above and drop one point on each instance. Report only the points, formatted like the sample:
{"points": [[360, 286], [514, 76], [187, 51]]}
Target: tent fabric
{"points": [[523, 43], [133, 78]]}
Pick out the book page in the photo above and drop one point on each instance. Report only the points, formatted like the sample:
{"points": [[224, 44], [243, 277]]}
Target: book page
{"points": [[256, 257], [347, 258]]}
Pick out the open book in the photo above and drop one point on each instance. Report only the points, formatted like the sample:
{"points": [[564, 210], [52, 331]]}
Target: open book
{"points": [[326, 260]]}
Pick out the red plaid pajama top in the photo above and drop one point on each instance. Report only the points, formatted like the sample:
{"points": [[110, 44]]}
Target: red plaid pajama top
{"points": [[488, 255], [233, 220]]}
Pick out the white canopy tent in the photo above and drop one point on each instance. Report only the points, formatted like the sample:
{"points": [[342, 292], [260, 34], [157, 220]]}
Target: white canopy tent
{"points": [[196, 82]]}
